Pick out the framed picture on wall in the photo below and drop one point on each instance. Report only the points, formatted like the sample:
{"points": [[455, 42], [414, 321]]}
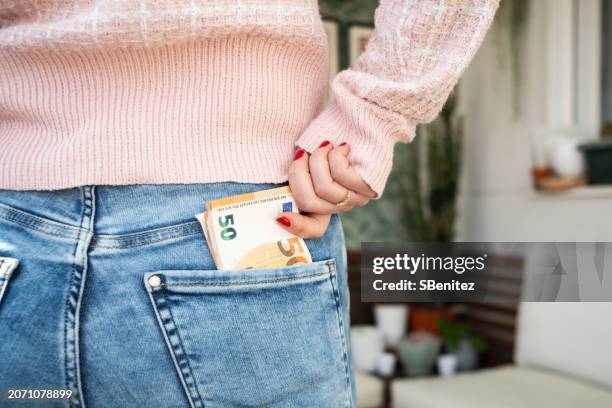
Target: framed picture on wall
{"points": [[332, 29], [358, 36]]}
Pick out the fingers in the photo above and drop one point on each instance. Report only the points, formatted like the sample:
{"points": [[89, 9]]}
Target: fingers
{"points": [[324, 185], [357, 200], [311, 226], [324, 179], [344, 174], [302, 188]]}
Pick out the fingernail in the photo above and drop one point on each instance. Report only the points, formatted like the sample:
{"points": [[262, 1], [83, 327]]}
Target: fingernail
{"points": [[343, 144], [284, 220], [325, 143], [298, 154]]}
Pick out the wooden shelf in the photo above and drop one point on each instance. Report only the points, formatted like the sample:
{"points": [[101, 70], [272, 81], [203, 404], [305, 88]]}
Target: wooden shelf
{"points": [[576, 193]]}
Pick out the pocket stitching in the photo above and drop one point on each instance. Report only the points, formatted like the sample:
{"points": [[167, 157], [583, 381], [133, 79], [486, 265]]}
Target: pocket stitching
{"points": [[184, 356], [185, 374], [252, 283], [340, 319], [303, 276], [6, 273]]}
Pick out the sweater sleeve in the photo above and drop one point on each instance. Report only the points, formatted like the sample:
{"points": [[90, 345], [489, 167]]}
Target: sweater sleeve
{"points": [[411, 63]]}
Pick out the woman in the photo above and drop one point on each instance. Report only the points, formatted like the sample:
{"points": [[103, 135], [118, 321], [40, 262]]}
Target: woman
{"points": [[119, 120]]}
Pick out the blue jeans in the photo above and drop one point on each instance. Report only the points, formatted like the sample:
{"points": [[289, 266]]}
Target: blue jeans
{"points": [[77, 312]]}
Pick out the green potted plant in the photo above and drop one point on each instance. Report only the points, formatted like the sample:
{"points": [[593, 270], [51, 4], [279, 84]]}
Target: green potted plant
{"points": [[428, 203], [459, 341], [598, 157], [418, 352]]}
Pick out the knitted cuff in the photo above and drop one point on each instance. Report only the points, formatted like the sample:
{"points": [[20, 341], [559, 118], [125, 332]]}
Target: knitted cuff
{"points": [[370, 131]]}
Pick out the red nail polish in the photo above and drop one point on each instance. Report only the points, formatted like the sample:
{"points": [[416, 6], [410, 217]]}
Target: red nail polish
{"points": [[343, 144], [298, 154], [325, 143], [284, 220]]}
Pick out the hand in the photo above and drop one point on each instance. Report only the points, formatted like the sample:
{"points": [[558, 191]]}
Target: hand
{"points": [[323, 183]]}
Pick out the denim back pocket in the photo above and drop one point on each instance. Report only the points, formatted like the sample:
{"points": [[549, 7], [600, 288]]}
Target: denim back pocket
{"points": [[269, 337], [7, 267]]}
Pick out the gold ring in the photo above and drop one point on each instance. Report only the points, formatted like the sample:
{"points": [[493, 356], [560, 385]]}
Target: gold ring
{"points": [[346, 199]]}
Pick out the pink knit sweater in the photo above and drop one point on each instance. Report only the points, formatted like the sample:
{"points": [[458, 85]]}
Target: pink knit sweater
{"points": [[198, 91]]}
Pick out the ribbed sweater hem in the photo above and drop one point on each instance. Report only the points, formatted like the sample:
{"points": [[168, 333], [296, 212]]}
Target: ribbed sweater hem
{"points": [[228, 109]]}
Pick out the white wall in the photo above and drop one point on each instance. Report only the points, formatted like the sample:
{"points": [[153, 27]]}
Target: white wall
{"points": [[496, 201], [607, 100]]}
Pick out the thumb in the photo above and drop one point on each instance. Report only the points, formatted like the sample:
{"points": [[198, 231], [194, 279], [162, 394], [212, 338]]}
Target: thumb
{"points": [[304, 226]]}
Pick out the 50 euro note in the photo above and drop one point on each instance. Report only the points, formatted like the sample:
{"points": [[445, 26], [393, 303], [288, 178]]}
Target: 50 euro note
{"points": [[242, 233]]}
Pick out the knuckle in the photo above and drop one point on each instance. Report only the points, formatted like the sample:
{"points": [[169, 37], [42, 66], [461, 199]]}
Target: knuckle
{"points": [[323, 189], [334, 171], [297, 197], [337, 172], [306, 205]]}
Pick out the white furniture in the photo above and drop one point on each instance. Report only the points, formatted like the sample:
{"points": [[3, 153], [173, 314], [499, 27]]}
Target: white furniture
{"points": [[370, 390], [563, 358]]}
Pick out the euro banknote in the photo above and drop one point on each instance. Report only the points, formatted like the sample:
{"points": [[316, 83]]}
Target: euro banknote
{"points": [[242, 233]]}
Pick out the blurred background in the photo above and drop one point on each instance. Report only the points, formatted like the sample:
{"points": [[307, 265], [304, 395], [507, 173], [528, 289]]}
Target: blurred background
{"points": [[522, 152]]}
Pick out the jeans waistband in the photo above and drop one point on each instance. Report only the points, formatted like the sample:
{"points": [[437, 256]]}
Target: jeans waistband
{"points": [[124, 215]]}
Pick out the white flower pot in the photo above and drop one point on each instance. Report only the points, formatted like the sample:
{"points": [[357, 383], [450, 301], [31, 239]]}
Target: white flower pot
{"points": [[567, 160], [367, 345], [385, 365], [392, 321], [447, 364]]}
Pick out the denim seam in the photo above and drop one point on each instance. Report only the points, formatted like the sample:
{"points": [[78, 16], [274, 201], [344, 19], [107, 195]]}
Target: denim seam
{"points": [[148, 232], [39, 219], [90, 200], [74, 298], [176, 350], [143, 243], [251, 283], [67, 308], [336, 293], [38, 229]]}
